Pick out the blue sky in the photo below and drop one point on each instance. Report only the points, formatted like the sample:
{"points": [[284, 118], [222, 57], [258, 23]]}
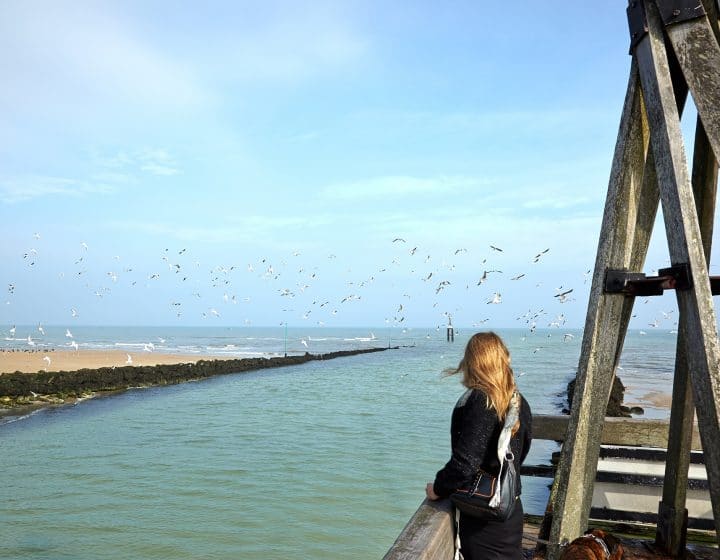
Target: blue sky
{"points": [[233, 163]]}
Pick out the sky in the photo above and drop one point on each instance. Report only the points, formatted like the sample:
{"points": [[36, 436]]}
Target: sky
{"points": [[310, 163]]}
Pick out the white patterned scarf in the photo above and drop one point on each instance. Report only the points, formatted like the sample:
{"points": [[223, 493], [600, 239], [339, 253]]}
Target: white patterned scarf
{"points": [[504, 441]]}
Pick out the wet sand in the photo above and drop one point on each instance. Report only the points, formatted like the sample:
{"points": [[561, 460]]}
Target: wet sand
{"points": [[64, 360]]}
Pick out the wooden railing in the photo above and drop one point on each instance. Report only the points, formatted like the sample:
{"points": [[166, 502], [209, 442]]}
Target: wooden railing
{"points": [[429, 535], [634, 432]]}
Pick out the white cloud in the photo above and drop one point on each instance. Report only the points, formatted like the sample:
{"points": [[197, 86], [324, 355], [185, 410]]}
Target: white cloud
{"points": [[399, 186], [248, 229], [287, 45], [562, 201], [85, 57], [535, 121], [156, 161], [156, 169], [21, 189]]}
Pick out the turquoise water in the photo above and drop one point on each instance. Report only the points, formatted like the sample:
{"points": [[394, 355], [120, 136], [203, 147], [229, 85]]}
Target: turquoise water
{"points": [[322, 460]]}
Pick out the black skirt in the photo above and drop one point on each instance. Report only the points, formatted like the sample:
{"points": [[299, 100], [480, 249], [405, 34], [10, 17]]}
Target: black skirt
{"points": [[490, 540]]}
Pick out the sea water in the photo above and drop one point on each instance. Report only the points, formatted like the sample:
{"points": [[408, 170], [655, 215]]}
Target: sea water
{"points": [[327, 459]]}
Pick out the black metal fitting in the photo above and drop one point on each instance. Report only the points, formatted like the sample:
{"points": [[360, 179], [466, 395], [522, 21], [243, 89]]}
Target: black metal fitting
{"points": [[681, 278], [676, 277], [637, 22], [675, 11], [622, 281]]}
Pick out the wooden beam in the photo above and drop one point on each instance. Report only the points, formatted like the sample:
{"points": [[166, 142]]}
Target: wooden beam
{"points": [[697, 50], [636, 432], [672, 517], [713, 13], [671, 527], [684, 238], [569, 505]]}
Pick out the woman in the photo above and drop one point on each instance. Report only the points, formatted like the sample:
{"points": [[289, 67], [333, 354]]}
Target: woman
{"points": [[476, 424]]}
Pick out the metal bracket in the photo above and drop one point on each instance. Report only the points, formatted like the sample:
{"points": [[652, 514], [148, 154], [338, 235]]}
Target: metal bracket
{"points": [[637, 22], [677, 277], [675, 11]]}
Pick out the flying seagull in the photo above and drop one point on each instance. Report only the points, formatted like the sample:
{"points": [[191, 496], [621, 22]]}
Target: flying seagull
{"points": [[536, 258]]}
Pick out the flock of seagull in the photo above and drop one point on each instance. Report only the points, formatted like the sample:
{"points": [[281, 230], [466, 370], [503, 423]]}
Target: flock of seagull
{"points": [[178, 273]]}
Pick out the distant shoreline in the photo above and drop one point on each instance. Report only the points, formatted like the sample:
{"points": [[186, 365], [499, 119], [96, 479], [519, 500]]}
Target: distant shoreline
{"points": [[92, 372]]}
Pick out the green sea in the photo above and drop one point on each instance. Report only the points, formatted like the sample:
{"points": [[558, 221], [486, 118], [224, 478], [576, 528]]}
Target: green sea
{"points": [[323, 460]]}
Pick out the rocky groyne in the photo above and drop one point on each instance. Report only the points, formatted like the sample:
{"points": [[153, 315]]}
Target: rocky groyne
{"points": [[19, 389], [615, 407]]}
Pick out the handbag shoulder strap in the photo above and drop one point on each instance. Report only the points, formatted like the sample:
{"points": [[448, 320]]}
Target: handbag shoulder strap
{"points": [[504, 441]]}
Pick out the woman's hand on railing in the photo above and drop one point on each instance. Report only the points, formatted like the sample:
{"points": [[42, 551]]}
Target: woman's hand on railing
{"points": [[430, 492]]}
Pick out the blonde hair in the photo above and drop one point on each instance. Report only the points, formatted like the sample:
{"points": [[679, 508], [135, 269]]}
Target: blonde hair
{"points": [[486, 366]]}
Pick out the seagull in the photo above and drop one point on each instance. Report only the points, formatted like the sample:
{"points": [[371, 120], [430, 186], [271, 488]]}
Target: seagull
{"points": [[304, 342], [129, 359], [74, 312], [536, 258], [442, 285], [398, 239], [563, 296], [517, 277], [40, 328], [12, 330], [497, 298], [484, 276], [47, 359], [30, 341], [496, 248], [74, 345]]}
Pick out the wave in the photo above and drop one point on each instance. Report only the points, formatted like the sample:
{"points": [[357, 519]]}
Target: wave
{"points": [[10, 419]]}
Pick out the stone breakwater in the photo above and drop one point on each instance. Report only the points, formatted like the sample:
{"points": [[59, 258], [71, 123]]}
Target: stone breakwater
{"points": [[18, 388], [615, 407]]}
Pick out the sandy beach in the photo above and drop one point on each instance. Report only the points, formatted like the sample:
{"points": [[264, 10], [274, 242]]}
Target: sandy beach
{"points": [[64, 360]]}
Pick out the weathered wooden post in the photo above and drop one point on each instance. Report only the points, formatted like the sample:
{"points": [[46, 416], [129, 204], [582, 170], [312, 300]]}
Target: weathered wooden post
{"points": [[675, 48]]}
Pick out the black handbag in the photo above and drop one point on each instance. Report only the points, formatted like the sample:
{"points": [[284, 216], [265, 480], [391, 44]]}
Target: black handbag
{"points": [[493, 497], [475, 501]]}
